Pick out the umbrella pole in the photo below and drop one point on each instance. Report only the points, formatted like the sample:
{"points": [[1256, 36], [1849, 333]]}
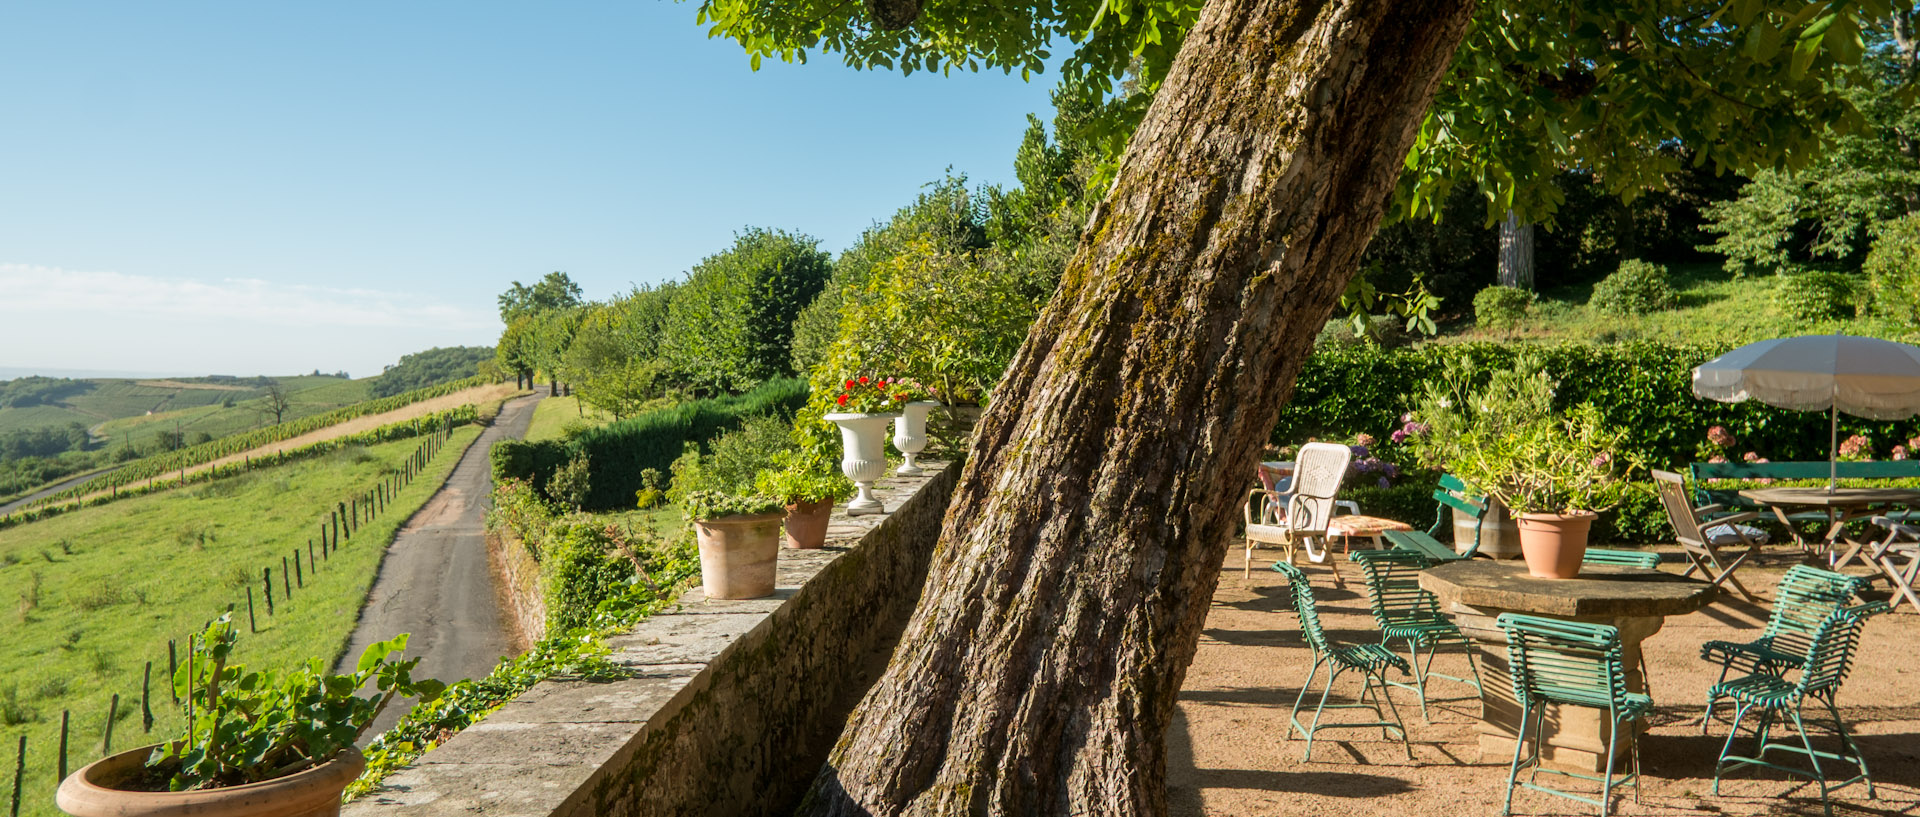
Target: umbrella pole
{"points": [[1833, 449]]}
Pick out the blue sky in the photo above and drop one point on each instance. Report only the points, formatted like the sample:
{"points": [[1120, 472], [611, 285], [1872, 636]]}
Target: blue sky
{"points": [[243, 188]]}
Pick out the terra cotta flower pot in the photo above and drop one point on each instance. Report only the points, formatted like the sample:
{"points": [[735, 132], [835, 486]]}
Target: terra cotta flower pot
{"points": [[314, 792], [807, 523], [1553, 543], [738, 554]]}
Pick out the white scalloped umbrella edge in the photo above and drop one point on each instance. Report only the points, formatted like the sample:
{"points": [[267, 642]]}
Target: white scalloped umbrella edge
{"points": [[1865, 377]]}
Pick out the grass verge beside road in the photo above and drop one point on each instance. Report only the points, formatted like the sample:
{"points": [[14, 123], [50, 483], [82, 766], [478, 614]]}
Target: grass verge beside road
{"points": [[97, 593]]}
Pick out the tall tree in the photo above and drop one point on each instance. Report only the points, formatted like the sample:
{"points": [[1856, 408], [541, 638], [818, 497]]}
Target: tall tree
{"points": [[1085, 537], [555, 291]]}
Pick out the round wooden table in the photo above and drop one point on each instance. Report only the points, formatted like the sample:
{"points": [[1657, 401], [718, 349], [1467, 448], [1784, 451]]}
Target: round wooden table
{"points": [[1636, 601], [1841, 505]]}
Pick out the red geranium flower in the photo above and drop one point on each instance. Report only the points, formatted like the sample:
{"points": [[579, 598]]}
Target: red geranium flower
{"points": [[849, 384], [863, 380], [843, 399]]}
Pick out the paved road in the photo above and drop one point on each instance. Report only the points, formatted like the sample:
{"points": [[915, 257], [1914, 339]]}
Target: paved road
{"points": [[435, 582], [54, 489]]}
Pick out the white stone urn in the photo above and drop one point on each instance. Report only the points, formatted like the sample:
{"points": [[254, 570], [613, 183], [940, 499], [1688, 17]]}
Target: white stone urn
{"points": [[910, 434], [863, 458]]}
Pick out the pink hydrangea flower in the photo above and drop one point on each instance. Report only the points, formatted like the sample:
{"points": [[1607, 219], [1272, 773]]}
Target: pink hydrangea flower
{"points": [[1363, 438], [1718, 435], [1899, 452], [1717, 458], [1751, 457], [1856, 447]]}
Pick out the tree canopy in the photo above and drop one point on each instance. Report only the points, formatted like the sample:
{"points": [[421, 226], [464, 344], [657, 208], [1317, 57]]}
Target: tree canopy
{"points": [[555, 291], [1536, 87]]}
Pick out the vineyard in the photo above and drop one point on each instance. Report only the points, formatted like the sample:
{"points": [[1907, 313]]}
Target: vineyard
{"points": [[101, 594], [156, 466]]}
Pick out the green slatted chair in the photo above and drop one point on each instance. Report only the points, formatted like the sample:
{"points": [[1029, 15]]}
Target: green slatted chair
{"points": [[1370, 660], [1569, 663], [1630, 558], [1452, 495], [1828, 658], [1404, 611], [1803, 601]]}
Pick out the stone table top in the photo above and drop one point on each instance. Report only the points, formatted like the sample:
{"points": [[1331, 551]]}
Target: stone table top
{"points": [[1600, 591], [1841, 497]]}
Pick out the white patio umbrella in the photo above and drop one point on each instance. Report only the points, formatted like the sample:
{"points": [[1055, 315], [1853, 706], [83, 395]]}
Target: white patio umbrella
{"points": [[1864, 377]]}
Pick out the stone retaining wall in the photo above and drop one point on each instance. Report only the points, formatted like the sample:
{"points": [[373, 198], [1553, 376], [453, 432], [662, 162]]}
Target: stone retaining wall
{"points": [[731, 706], [516, 580]]}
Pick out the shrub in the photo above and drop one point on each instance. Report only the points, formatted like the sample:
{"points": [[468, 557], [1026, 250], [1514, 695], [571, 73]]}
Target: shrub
{"points": [[1636, 288], [1814, 295], [731, 324], [580, 569], [1893, 271], [571, 482], [622, 452], [1498, 307]]}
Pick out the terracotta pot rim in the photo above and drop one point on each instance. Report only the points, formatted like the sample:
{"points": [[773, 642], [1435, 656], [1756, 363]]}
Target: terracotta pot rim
{"points": [[1558, 517], [81, 788], [742, 518]]}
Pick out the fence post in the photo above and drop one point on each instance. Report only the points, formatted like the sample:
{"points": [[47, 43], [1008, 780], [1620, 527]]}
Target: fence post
{"points": [[19, 774], [146, 705], [286, 581], [113, 711], [299, 575], [173, 668], [62, 765], [253, 626], [266, 578]]}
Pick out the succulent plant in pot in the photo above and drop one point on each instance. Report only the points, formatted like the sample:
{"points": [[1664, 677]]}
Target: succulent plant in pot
{"points": [[1556, 474], [256, 742], [808, 485], [739, 538]]}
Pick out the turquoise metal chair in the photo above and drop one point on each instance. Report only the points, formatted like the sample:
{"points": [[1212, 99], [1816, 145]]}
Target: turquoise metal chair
{"points": [[1452, 495], [1370, 660], [1405, 611], [1644, 560], [1569, 663], [1828, 658], [1801, 604]]}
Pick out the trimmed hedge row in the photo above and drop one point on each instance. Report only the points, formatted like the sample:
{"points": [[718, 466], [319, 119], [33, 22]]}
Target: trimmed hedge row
{"points": [[1644, 388], [618, 453]]}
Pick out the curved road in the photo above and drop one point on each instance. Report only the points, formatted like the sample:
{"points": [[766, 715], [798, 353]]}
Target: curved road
{"points": [[55, 488], [435, 582]]}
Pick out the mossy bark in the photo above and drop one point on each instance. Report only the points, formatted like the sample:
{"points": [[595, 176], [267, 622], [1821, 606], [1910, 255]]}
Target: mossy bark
{"points": [[1084, 541]]}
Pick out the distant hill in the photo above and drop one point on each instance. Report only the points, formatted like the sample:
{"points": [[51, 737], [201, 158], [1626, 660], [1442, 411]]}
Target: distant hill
{"points": [[431, 368]]}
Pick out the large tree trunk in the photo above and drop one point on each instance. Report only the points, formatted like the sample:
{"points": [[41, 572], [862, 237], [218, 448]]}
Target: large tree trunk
{"points": [[1516, 252], [1083, 543]]}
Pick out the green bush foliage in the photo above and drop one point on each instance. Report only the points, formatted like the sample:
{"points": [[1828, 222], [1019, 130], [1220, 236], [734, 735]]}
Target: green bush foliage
{"points": [[621, 452], [1498, 307], [1636, 288], [1893, 271], [579, 569], [730, 325], [1643, 389], [430, 368], [1814, 295]]}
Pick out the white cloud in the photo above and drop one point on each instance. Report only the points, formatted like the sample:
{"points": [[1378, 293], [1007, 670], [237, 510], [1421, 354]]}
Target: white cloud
{"points": [[55, 317], [27, 289]]}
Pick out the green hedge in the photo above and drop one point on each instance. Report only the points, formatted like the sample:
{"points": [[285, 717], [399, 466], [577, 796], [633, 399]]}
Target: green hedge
{"points": [[1645, 388], [617, 453]]}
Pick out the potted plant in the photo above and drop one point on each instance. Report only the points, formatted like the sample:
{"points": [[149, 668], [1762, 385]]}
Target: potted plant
{"points": [[808, 488], [1453, 414], [910, 429], [1556, 474], [256, 742], [739, 542], [866, 405]]}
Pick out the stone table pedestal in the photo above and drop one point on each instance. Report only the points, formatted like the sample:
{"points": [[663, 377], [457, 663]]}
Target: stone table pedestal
{"points": [[1635, 601]]}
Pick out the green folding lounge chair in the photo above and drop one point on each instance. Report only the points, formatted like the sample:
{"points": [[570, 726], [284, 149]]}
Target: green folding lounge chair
{"points": [[1801, 604], [1569, 663], [1370, 660], [1630, 558], [1404, 611], [1452, 495], [1828, 657]]}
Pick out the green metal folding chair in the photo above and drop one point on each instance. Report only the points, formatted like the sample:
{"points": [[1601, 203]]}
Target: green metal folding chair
{"points": [[1452, 495], [1569, 663], [1801, 604], [1630, 558], [1370, 660], [1828, 658], [1404, 611]]}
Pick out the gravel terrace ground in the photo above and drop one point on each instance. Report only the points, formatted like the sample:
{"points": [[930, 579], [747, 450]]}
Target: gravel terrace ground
{"points": [[1228, 753]]}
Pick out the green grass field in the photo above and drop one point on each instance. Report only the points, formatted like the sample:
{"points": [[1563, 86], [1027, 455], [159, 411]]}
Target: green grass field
{"points": [[313, 396], [1714, 307], [553, 415], [94, 595]]}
